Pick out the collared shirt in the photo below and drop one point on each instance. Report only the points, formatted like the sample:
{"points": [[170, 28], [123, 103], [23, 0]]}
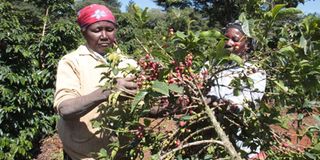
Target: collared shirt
{"points": [[222, 87], [78, 75]]}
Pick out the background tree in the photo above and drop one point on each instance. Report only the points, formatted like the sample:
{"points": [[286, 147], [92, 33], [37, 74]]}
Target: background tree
{"points": [[219, 13], [114, 5], [33, 36]]}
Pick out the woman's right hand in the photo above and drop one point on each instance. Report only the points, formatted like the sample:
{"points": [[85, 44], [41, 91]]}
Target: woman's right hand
{"points": [[127, 86]]}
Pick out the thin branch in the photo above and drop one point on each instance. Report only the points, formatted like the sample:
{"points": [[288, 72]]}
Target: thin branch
{"points": [[42, 36], [144, 48], [190, 145], [196, 132], [162, 49]]}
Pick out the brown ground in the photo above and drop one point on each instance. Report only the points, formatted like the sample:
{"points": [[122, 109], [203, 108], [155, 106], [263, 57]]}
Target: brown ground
{"points": [[51, 149], [291, 135]]}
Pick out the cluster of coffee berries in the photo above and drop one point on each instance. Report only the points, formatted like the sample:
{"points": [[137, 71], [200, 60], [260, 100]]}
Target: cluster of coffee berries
{"points": [[139, 133], [188, 60], [150, 70], [180, 70], [183, 72], [183, 101], [164, 102]]}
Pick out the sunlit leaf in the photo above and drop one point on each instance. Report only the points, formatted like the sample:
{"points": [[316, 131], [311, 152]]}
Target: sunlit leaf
{"points": [[139, 97], [277, 9], [303, 44], [181, 35], [236, 58], [160, 87], [175, 88], [281, 85], [289, 12], [287, 50], [246, 28]]}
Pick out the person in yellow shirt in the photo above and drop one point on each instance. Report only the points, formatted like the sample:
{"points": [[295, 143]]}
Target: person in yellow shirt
{"points": [[78, 85]]}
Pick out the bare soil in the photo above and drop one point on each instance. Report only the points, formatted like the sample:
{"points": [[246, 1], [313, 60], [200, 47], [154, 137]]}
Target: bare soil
{"points": [[51, 149], [292, 135]]}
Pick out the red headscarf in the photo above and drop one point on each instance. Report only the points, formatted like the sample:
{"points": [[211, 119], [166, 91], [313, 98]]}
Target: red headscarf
{"points": [[94, 13]]}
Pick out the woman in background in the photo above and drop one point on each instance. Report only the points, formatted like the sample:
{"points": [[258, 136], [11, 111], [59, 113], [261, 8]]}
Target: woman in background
{"points": [[241, 86]]}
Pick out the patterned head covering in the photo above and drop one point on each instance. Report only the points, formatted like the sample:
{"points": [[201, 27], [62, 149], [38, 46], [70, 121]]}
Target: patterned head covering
{"points": [[94, 13], [236, 24]]}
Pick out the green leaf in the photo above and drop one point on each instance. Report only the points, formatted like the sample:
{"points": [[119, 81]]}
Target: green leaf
{"points": [[155, 157], [160, 87], [236, 58], [115, 71], [246, 28], [221, 51], [287, 50], [242, 17], [146, 122], [277, 9], [210, 33], [310, 155], [114, 152], [300, 116], [289, 12], [181, 35], [113, 98], [103, 153], [303, 44], [186, 118], [140, 96], [209, 157], [175, 88], [281, 86], [144, 15], [163, 57]]}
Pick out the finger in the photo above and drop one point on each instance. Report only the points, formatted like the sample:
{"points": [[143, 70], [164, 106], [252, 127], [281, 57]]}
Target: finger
{"points": [[131, 85], [130, 78], [128, 91], [132, 92]]}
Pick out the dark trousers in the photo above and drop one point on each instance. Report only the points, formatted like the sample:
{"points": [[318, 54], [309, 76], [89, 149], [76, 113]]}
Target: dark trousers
{"points": [[66, 156]]}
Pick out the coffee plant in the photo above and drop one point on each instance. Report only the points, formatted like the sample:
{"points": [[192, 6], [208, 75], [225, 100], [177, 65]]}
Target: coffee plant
{"points": [[173, 85], [33, 36]]}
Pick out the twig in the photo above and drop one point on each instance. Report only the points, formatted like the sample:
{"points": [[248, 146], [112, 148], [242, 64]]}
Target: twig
{"points": [[162, 49], [232, 121], [42, 36], [203, 149], [191, 144], [196, 132], [144, 48]]}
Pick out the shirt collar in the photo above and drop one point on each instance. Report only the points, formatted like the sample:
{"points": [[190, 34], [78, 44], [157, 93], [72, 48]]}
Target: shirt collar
{"points": [[93, 54]]}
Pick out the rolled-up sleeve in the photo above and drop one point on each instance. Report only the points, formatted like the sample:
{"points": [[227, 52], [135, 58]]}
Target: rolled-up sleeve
{"points": [[67, 82]]}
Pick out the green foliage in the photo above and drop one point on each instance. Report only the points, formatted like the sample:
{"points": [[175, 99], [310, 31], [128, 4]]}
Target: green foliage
{"points": [[288, 50], [219, 13], [33, 36], [114, 5]]}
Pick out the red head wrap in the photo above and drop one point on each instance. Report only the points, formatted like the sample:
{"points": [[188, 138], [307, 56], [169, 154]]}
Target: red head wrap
{"points": [[94, 13]]}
